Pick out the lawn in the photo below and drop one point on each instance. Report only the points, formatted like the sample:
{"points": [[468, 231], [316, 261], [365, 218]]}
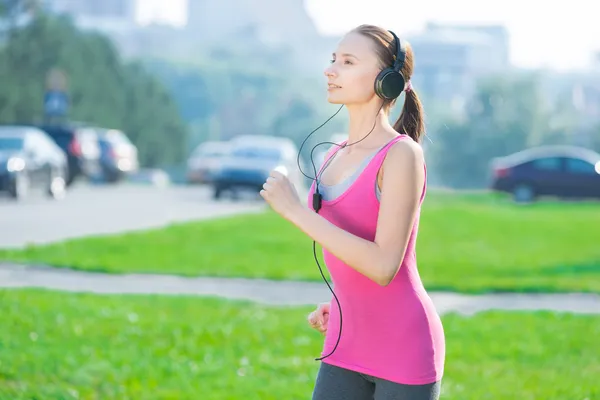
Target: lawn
{"points": [[83, 346], [468, 243]]}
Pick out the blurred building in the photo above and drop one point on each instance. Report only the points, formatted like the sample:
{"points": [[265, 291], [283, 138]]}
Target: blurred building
{"points": [[272, 21], [282, 24], [450, 58]]}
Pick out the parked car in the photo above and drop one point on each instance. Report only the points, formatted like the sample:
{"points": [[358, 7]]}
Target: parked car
{"points": [[30, 160], [250, 161], [81, 146], [204, 160], [560, 171], [118, 156]]}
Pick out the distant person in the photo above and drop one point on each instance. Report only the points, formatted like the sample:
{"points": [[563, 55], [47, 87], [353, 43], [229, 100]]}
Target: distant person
{"points": [[392, 343]]}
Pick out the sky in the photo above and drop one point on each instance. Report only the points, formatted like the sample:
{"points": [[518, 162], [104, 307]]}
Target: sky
{"points": [[560, 36]]}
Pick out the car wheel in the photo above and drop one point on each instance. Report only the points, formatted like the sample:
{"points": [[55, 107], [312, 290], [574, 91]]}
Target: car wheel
{"points": [[523, 193], [20, 187], [217, 193]]}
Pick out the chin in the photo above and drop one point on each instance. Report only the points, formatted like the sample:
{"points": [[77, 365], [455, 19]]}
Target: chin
{"points": [[336, 99], [343, 97]]}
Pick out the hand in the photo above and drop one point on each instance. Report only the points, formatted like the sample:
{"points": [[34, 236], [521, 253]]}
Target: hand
{"points": [[319, 319], [281, 194]]}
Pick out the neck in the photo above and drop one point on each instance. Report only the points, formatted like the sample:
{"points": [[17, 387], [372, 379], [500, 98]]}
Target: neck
{"points": [[362, 118]]}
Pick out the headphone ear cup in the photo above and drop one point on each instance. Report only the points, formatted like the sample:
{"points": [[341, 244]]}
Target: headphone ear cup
{"points": [[389, 84]]}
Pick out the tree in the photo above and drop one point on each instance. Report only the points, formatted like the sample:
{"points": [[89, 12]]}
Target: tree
{"points": [[221, 101], [15, 12], [505, 115], [104, 91]]}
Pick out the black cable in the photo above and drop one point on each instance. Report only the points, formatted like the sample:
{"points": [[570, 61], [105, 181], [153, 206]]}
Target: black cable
{"points": [[336, 300], [318, 144], [318, 198]]}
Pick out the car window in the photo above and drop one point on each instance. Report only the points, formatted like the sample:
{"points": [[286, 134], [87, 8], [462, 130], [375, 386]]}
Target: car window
{"points": [[579, 166], [11, 143], [63, 140], [117, 137], [547, 164], [209, 152], [254, 152], [62, 137]]}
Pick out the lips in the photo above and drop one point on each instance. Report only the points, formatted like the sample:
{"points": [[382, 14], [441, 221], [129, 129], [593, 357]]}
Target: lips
{"points": [[333, 86]]}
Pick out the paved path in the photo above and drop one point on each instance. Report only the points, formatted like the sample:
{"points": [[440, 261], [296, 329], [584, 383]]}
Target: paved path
{"points": [[91, 210], [283, 293]]}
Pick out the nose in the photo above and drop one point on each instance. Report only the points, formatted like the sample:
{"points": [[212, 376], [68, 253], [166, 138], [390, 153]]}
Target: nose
{"points": [[330, 72]]}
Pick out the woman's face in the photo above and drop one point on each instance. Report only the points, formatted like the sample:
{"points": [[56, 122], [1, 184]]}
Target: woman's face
{"points": [[354, 67]]}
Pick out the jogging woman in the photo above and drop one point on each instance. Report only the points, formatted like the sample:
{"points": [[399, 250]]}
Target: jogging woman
{"points": [[369, 194]]}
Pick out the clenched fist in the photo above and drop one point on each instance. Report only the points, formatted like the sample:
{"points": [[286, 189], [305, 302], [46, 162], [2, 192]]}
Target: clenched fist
{"points": [[281, 194], [319, 319]]}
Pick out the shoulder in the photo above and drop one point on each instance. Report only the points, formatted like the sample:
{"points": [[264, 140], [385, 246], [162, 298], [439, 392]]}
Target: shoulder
{"points": [[404, 155]]}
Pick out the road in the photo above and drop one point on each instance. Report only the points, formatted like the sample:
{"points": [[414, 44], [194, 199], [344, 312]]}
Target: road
{"points": [[89, 210], [281, 293]]}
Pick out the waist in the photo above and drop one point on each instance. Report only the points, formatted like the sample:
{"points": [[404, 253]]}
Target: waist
{"points": [[400, 334]]}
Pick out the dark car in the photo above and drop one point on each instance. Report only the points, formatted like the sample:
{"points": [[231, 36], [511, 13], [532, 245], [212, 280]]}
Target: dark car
{"points": [[30, 160], [558, 171], [118, 156], [81, 146], [250, 160]]}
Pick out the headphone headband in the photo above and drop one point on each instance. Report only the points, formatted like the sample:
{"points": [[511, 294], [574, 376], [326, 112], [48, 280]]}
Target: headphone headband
{"points": [[400, 55]]}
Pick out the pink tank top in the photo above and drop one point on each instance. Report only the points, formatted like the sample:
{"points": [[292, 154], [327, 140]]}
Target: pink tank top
{"points": [[391, 332]]}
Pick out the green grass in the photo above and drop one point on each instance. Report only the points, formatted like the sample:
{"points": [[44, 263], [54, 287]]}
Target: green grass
{"points": [[65, 346], [469, 243]]}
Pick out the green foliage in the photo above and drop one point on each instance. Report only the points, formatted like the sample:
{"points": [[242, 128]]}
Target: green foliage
{"points": [[542, 247], [228, 89], [12, 12], [507, 113], [502, 117], [221, 101], [103, 89]]}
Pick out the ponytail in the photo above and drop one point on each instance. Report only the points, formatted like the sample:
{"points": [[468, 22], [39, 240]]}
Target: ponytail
{"points": [[412, 119]]}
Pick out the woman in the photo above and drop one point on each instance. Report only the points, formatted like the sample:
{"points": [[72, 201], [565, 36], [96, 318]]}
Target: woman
{"points": [[392, 343]]}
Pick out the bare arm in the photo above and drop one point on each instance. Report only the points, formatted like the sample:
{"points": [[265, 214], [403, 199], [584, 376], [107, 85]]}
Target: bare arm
{"points": [[401, 188]]}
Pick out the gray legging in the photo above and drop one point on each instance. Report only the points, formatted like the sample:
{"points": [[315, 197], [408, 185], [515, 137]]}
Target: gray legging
{"points": [[335, 383]]}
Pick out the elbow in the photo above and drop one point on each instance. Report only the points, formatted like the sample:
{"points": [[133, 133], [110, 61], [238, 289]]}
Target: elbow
{"points": [[384, 281], [387, 275], [390, 265]]}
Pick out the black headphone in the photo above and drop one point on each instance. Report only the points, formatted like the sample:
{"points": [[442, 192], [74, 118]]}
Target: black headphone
{"points": [[390, 82]]}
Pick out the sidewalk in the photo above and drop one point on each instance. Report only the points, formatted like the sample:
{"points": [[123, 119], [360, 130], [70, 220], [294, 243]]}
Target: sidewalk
{"points": [[280, 293]]}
